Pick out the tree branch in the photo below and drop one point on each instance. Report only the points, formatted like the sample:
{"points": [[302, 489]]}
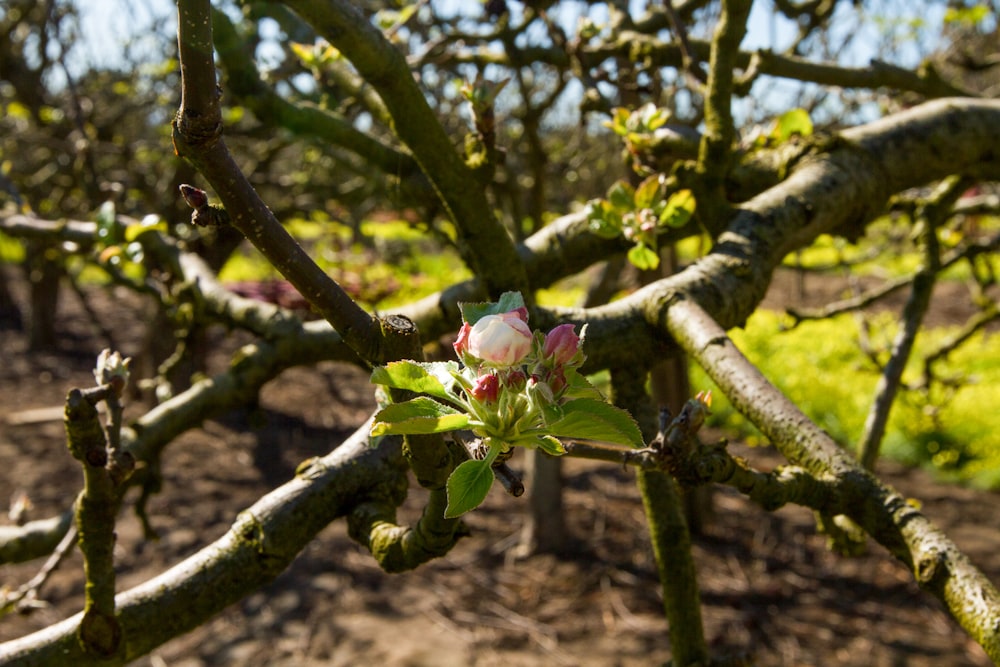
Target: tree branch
{"points": [[930, 217], [484, 242], [934, 560], [263, 540], [198, 137]]}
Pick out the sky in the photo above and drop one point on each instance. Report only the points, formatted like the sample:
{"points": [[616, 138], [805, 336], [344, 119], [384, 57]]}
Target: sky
{"points": [[110, 24]]}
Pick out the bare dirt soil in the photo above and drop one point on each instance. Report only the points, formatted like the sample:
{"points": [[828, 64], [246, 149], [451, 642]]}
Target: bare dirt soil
{"points": [[770, 587]]}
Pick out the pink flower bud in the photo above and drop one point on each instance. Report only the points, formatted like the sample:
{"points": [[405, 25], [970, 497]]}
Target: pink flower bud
{"points": [[561, 345], [557, 381], [502, 340], [461, 344], [487, 388], [515, 380]]}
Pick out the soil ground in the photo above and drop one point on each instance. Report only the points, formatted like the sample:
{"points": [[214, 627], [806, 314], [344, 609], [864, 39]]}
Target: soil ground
{"points": [[770, 587]]}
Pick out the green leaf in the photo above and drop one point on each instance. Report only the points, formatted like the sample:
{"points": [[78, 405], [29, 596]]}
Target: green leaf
{"points": [[792, 122], [591, 419], [305, 53], [149, 223], [418, 416], [619, 122], [603, 220], [651, 117], [648, 192], [643, 257], [678, 210], [431, 378], [467, 487], [622, 196], [473, 312], [550, 445], [578, 386]]}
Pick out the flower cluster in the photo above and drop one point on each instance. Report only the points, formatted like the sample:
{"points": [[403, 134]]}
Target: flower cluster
{"points": [[506, 356], [514, 387], [514, 379]]}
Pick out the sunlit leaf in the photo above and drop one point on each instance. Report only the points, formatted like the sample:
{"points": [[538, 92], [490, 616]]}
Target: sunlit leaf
{"points": [[648, 192], [304, 52], [622, 196], [430, 378], [590, 419], [473, 312], [418, 416], [603, 220], [643, 257], [550, 445], [678, 210], [467, 487], [792, 122], [147, 224]]}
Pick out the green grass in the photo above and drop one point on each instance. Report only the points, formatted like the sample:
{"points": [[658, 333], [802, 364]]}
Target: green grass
{"points": [[819, 366], [11, 250], [399, 264]]}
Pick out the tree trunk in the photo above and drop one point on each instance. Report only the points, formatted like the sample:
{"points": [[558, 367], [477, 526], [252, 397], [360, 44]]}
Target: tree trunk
{"points": [[44, 274], [544, 530], [10, 313]]}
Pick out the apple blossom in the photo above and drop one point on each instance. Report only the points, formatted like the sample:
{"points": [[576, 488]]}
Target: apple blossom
{"points": [[502, 340]]}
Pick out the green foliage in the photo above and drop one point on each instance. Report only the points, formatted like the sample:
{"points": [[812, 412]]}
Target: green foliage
{"points": [[971, 17], [795, 122], [396, 262], [638, 214], [637, 127], [820, 367], [471, 481], [593, 419], [11, 250]]}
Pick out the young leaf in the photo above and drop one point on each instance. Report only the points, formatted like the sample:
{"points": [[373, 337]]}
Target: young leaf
{"points": [[420, 415], [643, 257], [468, 487], [578, 386], [595, 420], [473, 312], [431, 378], [622, 196], [150, 222], [679, 209], [648, 192], [619, 122], [792, 122], [603, 219], [550, 445]]}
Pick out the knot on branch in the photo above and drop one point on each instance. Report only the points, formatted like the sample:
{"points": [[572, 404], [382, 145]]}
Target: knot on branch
{"points": [[678, 449], [100, 633], [193, 132]]}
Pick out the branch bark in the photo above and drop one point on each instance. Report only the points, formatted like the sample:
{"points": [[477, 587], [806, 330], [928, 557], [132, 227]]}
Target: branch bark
{"points": [[261, 543], [934, 560]]}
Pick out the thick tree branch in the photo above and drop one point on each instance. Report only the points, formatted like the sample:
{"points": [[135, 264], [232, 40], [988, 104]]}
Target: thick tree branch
{"points": [[935, 562], [261, 543]]}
